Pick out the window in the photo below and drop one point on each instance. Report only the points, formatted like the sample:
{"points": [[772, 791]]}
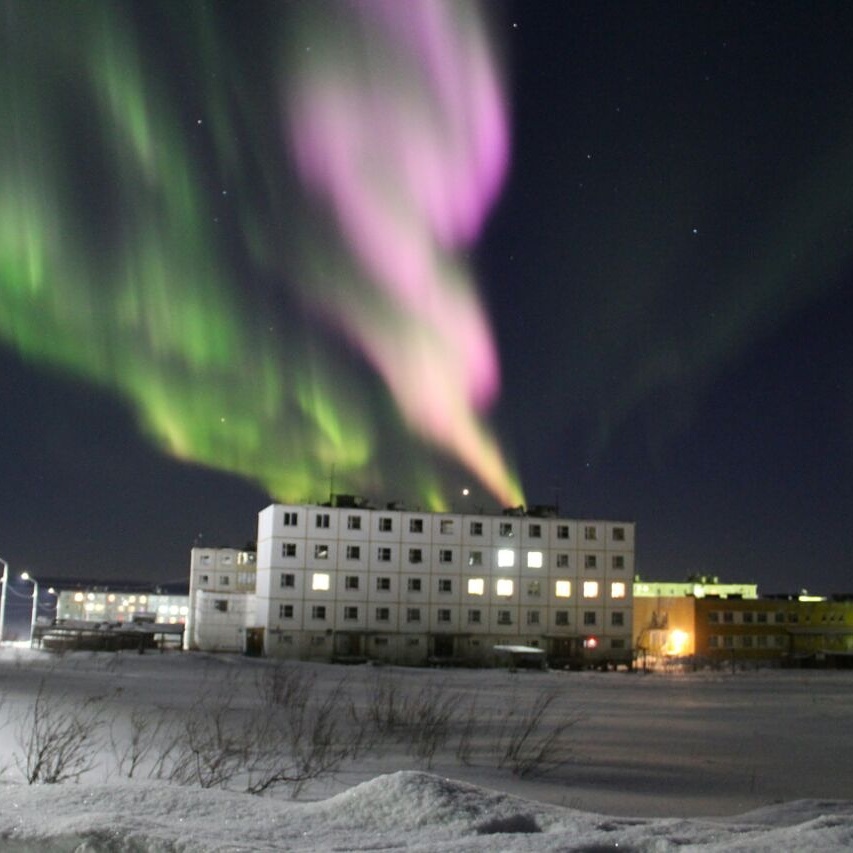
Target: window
{"points": [[290, 519], [617, 619], [505, 528], [590, 589], [383, 555], [617, 589], [475, 558], [354, 522], [380, 641], [476, 528], [504, 617], [618, 534], [225, 580], [747, 641], [446, 525], [534, 531], [713, 617], [562, 561], [617, 643], [413, 614], [322, 520], [793, 617], [383, 614], [761, 617], [318, 611], [504, 586], [506, 558], [416, 525], [413, 641], [563, 589], [350, 614], [561, 617], [590, 561], [728, 617], [386, 524], [589, 533], [414, 585], [221, 604], [713, 641], [618, 561], [288, 581], [416, 555], [288, 549], [445, 585], [562, 531], [534, 559], [762, 641], [476, 586], [285, 640], [747, 617], [729, 642], [351, 582], [532, 617], [353, 552], [445, 555], [443, 615], [383, 584], [321, 552], [202, 580], [320, 582], [475, 617], [318, 641], [534, 588], [285, 611], [778, 617], [589, 617]]}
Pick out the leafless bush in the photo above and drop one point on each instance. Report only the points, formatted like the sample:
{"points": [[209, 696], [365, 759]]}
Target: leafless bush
{"points": [[529, 747], [58, 739], [385, 707], [465, 747], [143, 742], [428, 716]]}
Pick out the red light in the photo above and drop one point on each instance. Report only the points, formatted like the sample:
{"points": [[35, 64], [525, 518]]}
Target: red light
{"points": [[590, 643]]}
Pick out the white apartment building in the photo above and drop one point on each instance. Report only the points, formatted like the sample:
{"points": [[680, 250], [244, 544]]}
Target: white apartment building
{"points": [[221, 599], [351, 582]]}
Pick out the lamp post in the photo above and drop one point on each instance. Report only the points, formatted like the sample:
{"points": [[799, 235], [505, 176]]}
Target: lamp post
{"points": [[26, 576], [3, 597]]}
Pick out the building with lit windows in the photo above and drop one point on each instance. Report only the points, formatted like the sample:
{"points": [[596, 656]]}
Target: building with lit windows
{"points": [[103, 603], [350, 582]]}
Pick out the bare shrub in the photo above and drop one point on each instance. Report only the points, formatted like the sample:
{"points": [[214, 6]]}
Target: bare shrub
{"points": [[385, 706], [144, 741], [428, 716], [465, 747], [58, 739]]}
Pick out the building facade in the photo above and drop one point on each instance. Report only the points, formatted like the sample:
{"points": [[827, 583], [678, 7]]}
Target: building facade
{"points": [[349, 582]]}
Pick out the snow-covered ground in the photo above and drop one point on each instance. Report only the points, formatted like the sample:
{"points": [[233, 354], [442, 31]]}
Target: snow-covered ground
{"points": [[712, 761]]}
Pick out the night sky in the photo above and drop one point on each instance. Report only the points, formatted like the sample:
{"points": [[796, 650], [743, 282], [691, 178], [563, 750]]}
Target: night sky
{"points": [[593, 254]]}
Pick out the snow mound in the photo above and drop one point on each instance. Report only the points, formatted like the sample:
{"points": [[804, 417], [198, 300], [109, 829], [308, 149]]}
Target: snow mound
{"points": [[412, 810]]}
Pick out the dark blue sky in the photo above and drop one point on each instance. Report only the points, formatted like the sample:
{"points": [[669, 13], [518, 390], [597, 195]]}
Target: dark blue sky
{"points": [[669, 276]]}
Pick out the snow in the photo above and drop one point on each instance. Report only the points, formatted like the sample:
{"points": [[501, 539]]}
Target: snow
{"points": [[748, 761]]}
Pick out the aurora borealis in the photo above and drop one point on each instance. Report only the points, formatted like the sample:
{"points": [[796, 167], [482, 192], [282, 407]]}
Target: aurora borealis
{"points": [[150, 228], [589, 253]]}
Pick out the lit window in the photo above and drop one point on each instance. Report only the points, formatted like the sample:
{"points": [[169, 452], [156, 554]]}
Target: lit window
{"points": [[288, 549], [506, 558], [617, 589], [351, 582], [288, 581], [416, 555], [416, 525], [320, 582], [563, 589], [534, 559], [173, 610], [354, 522], [353, 552], [504, 586], [505, 528], [476, 528], [476, 586], [445, 585], [183, 611], [446, 525], [321, 552], [78, 596], [590, 589]]}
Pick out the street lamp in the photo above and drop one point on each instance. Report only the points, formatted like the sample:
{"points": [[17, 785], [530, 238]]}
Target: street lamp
{"points": [[3, 596], [26, 576]]}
